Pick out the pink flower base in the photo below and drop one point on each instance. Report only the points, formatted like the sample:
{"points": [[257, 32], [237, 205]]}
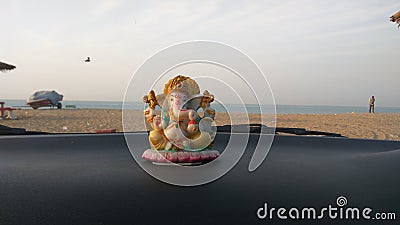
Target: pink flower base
{"points": [[180, 156]]}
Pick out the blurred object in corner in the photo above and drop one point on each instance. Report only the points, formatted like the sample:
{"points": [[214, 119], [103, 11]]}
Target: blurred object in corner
{"points": [[396, 18], [6, 67]]}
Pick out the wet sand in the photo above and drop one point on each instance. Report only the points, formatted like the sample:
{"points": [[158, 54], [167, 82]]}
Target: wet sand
{"points": [[382, 126]]}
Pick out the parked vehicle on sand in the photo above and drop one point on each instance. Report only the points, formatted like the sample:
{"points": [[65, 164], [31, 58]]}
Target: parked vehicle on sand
{"points": [[45, 98]]}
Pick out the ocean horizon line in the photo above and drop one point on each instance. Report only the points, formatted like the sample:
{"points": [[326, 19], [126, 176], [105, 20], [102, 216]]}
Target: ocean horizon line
{"points": [[229, 103], [231, 107]]}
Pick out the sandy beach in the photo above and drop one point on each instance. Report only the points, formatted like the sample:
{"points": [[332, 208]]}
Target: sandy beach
{"points": [[382, 126]]}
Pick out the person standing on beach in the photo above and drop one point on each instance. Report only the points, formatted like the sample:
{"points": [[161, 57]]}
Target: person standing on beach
{"points": [[372, 104]]}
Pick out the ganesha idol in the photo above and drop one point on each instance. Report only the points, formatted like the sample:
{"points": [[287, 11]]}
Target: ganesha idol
{"points": [[179, 134]]}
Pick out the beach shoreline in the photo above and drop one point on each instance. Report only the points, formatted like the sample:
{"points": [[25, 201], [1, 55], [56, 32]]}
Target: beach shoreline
{"points": [[379, 126]]}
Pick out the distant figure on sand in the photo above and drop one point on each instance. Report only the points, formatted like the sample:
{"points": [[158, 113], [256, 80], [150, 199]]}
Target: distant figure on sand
{"points": [[372, 104]]}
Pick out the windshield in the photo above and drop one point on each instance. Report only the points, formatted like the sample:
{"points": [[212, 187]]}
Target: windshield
{"points": [[69, 67]]}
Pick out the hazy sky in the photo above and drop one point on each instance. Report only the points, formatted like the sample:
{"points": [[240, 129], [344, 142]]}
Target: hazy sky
{"points": [[319, 52]]}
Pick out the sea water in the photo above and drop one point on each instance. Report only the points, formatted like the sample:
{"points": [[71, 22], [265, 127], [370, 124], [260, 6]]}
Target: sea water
{"points": [[235, 108]]}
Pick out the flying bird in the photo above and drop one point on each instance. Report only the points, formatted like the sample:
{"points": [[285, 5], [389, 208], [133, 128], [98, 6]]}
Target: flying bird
{"points": [[396, 18], [88, 59]]}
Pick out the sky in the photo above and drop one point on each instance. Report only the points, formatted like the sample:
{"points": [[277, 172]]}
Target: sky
{"points": [[312, 52]]}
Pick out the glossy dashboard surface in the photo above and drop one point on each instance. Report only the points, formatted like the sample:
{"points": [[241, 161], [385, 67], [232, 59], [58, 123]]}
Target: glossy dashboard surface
{"points": [[93, 179]]}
